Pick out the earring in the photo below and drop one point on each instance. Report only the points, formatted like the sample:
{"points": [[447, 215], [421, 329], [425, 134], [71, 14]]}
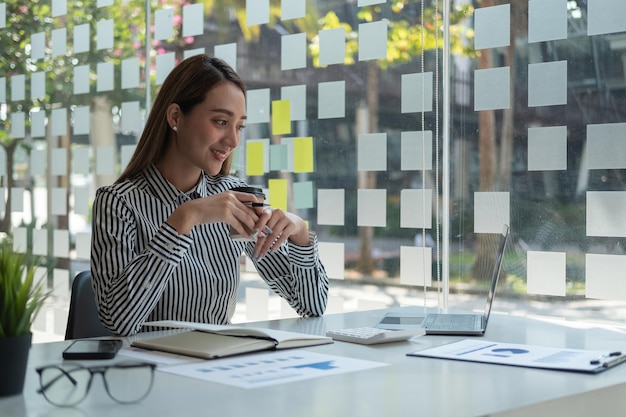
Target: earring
{"points": [[175, 129]]}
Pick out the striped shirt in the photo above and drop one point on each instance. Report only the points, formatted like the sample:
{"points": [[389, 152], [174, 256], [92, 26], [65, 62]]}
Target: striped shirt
{"points": [[144, 270]]}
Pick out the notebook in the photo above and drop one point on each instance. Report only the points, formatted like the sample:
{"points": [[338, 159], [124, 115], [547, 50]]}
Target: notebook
{"points": [[469, 324], [209, 341]]}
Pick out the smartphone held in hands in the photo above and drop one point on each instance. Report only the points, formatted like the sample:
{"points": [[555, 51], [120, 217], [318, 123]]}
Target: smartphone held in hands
{"points": [[93, 349]]}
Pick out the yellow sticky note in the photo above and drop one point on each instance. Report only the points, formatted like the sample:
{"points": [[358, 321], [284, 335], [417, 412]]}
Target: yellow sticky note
{"points": [[303, 155], [278, 193], [254, 158], [281, 117]]}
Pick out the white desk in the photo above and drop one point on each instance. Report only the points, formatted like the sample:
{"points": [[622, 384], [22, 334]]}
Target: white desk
{"points": [[408, 386]]}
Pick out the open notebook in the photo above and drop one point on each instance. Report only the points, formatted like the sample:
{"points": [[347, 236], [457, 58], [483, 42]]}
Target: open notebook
{"points": [[469, 324], [210, 341]]}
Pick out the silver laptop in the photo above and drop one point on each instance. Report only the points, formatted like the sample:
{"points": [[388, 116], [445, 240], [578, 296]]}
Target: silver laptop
{"points": [[469, 324]]}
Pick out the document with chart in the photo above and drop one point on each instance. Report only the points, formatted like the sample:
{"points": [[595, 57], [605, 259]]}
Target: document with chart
{"points": [[530, 356]]}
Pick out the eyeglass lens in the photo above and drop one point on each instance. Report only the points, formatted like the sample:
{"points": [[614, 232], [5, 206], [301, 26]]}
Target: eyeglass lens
{"points": [[67, 385]]}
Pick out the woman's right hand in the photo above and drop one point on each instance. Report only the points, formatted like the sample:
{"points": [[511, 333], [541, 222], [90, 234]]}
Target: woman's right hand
{"points": [[227, 207]]}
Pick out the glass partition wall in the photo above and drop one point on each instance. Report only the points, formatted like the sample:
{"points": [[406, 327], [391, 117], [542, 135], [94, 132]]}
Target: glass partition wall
{"points": [[407, 133]]}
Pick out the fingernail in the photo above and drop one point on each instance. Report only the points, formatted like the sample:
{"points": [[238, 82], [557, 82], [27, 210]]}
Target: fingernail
{"points": [[268, 230]]}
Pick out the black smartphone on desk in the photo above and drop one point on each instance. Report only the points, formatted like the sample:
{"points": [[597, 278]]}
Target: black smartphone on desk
{"points": [[92, 349]]}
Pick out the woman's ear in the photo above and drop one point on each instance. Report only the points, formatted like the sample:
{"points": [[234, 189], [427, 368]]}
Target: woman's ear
{"points": [[172, 114]]}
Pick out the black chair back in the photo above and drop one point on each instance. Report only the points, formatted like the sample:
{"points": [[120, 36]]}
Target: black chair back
{"points": [[83, 318]]}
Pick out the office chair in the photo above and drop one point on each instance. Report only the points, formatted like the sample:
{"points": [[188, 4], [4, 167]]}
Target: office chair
{"points": [[83, 320]]}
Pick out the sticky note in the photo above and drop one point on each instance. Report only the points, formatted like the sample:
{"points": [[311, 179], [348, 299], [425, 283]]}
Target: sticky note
{"points": [[372, 152], [257, 12], [492, 26], [193, 19], [80, 159], [104, 79], [546, 273], [293, 51], [81, 79], [331, 100], [278, 157], [547, 20], [416, 92], [491, 211], [37, 162], [416, 265], [163, 24], [303, 194], [104, 160], [416, 150], [38, 46], [61, 246], [281, 117], [81, 120], [278, 193], [164, 65], [58, 121], [373, 40], [255, 157], [332, 255], [38, 124], [130, 73], [18, 87], [258, 106], [547, 148], [303, 155], [292, 9], [38, 85], [372, 207], [492, 89], [131, 116], [59, 42], [227, 52], [547, 84], [604, 276], [332, 46], [331, 207], [81, 200], [59, 8], [416, 208], [104, 34], [58, 197], [606, 16], [81, 38], [18, 125], [296, 95], [58, 163], [606, 213], [606, 146]]}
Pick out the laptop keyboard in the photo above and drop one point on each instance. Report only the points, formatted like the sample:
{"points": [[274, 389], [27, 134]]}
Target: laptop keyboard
{"points": [[452, 321]]}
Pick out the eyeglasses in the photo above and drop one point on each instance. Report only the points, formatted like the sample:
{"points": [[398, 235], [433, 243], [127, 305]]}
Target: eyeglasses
{"points": [[66, 385]]}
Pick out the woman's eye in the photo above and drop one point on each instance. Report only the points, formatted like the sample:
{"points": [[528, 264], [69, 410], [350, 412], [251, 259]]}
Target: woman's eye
{"points": [[221, 122], [241, 127]]}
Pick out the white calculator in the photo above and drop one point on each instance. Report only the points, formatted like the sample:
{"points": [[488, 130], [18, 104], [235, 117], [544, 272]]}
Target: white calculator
{"points": [[372, 335]]}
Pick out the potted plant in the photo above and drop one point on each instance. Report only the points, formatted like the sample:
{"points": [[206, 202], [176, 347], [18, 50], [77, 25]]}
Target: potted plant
{"points": [[21, 298]]}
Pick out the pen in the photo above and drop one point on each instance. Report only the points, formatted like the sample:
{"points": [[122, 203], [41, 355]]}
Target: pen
{"points": [[251, 204], [609, 362]]}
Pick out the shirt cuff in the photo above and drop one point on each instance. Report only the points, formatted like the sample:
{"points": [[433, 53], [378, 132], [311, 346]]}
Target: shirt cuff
{"points": [[304, 256], [169, 245]]}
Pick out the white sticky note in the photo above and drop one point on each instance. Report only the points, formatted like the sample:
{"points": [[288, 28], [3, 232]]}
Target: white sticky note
{"points": [[547, 20], [59, 42], [105, 160], [3, 169], [547, 84], [331, 100], [58, 199], [605, 16], [362, 3], [257, 303], [292, 9], [37, 162], [81, 38], [81, 120], [296, 95], [130, 73], [81, 200], [193, 19], [372, 152], [58, 161], [416, 150], [3, 15], [546, 273], [61, 289], [3, 90], [373, 40], [547, 148], [18, 87], [164, 65], [81, 156], [332, 255], [228, 53], [606, 213], [193, 52], [257, 12], [416, 265], [38, 123], [58, 122], [258, 106], [293, 51], [606, 146], [332, 46], [492, 26], [81, 79], [104, 79], [417, 92], [163, 24], [18, 125], [604, 276], [126, 153], [59, 8], [492, 89], [38, 45], [104, 34], [83, 245], [40, 242], [131, 117], [104, 3], [491, 211], [38, 85], [372, 208], [20, 239], [17, 199], [416, 208], [331, 207], [61, 246]]}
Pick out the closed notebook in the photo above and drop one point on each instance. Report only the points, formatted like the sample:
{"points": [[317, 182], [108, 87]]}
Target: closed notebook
{"points": [[214, 341]]}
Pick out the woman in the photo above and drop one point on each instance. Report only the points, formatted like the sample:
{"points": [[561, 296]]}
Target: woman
{"points": [[161, 247]]}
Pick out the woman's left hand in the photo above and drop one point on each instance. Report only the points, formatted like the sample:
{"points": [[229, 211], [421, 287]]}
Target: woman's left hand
{"points": [[275, 226]]}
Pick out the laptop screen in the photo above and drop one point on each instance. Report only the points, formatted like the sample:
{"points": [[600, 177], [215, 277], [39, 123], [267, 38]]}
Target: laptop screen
{"points": [[497, 268]]}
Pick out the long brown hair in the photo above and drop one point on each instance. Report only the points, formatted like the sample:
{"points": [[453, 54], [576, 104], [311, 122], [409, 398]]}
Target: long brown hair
{"points": [[187, 85]]}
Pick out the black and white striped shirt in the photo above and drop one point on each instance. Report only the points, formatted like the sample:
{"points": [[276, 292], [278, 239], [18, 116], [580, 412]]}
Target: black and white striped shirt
{"points": [[143, 270]]}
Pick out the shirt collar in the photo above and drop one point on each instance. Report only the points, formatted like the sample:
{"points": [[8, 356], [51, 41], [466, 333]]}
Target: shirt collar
{"points": [[165, 191]]}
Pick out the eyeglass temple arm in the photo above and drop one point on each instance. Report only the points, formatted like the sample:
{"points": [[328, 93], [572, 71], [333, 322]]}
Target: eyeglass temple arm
{"points": [[55, 379]]}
